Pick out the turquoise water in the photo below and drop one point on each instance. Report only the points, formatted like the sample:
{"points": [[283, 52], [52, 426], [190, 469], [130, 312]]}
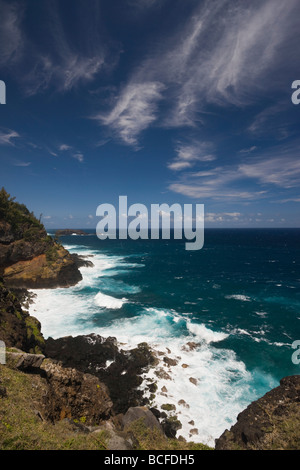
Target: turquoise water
{"points": [[237, 300]]}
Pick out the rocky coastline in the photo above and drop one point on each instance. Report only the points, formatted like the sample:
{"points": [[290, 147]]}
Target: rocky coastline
{"points": [[85, 392], [69, 231], [29, 258]]}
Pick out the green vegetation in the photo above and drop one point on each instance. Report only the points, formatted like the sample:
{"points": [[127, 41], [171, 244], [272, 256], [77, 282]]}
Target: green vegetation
{"points": [[23, 428], [168, 407], [52, 254], [31, 234], [34, 335], [153, 439], [18, 215]]}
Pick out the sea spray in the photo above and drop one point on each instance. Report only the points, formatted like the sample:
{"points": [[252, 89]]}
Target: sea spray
{"points": [[218, 349], [203, 381]]}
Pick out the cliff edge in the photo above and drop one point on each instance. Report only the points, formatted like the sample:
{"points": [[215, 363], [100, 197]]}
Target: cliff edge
{"points": [[29, 258], [269, 423]]}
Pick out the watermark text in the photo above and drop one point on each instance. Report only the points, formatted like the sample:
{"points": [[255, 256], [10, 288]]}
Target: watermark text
{"points": [[296, 354], [2, 92], [2, 352], [136, 222], [296, 94]]}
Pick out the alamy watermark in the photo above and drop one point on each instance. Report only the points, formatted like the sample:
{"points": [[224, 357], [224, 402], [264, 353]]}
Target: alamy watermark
{"points": [[296, 95], [2, 352], [136, 222], [2, 92], [296, 354]]}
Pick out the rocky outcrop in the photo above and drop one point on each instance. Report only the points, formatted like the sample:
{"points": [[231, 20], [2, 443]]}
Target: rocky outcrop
{"points": [[143, 413], [272, 422], [119, 370], [24, 361], [116, 439], [17, 328], [69, 231], [29, 258], [58, 408], [75, 395], [82, 261], [40, 272]]}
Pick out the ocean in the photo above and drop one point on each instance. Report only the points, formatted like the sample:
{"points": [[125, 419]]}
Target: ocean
{"points": [[226, 315]]}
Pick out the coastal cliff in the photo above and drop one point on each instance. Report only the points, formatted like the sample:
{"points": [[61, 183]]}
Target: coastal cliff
{"points": [[18, 328], [87, 387], [85, 392], [269, 423], [29, 258]]}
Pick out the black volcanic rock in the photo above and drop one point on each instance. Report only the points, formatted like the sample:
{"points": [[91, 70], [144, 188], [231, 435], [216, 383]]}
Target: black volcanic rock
{"points": [[80, 261], [75, 395], [17, 328], [272, 422], [120, 370]]}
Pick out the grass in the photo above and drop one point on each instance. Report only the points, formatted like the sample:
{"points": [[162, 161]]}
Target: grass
{"points": [[152, 439], [22, 429], [22, 426]]}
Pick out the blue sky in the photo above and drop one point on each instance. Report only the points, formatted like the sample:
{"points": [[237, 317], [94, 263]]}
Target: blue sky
{"points": [[165, 101]]}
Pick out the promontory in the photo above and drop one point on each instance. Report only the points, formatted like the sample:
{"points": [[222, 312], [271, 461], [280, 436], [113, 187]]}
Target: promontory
{"points": [[29, 258]]}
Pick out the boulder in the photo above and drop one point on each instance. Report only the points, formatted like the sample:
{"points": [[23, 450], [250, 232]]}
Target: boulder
{"points": [[24, 361], [171, 425], [141, 412], [170, 362], [115, 441], [75, 395]]}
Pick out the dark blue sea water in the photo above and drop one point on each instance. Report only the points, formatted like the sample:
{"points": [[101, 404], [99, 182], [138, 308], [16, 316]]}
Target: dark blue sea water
{"points": [[228, 314]]}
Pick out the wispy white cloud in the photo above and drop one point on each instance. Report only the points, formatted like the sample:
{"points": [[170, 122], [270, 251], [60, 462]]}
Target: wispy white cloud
{"points": [[269, 122], [282, 171], [291, 199], [78, 156], [200, 192], [188, 154], [59, 62], [54, 154], [248, 150], [20, 163], [7, 136], [241, 51], [64, 147], [134, 111], [63, 73], [223, 217], [11, 37], [256, 178], [225, 53]]}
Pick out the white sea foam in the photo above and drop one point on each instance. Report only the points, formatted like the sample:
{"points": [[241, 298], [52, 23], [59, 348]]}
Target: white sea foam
{"points": [[106, 301], [213, 383], [69, 311], [243, 298], [262, 314], [220, 384], [204, 333]]}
